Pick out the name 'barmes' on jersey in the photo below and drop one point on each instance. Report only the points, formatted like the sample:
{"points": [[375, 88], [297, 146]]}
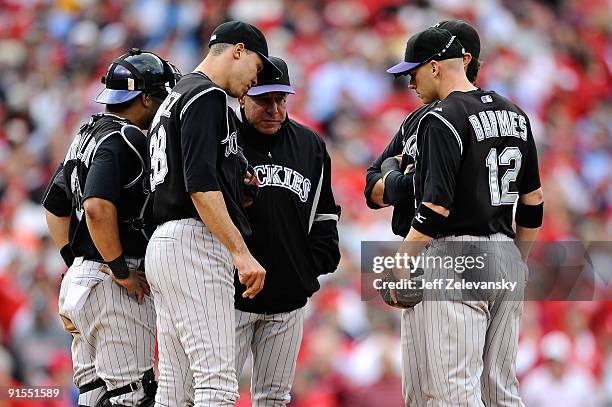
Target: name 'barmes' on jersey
{"points": [[499, 123]]}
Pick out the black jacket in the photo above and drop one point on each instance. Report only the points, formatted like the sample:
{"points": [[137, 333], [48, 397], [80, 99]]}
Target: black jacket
{"points": [[294, 218]]}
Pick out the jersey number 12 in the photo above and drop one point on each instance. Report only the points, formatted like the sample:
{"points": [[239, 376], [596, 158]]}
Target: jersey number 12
{"points": [[505, 197]]}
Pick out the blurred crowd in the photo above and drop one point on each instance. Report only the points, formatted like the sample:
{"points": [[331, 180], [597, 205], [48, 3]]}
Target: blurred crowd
{"points": [[552, 57]]}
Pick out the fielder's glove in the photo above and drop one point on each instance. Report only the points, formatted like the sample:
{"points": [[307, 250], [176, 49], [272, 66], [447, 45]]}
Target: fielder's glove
{"points": [[390, 164], [250, 186], [406, 298]]}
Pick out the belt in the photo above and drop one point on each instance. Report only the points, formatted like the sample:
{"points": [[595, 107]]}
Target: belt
{"points": [[496, 237], [130, 260]]}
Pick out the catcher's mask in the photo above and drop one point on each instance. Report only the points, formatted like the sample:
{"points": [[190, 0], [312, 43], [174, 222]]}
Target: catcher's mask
{"points": [[134, 73]]}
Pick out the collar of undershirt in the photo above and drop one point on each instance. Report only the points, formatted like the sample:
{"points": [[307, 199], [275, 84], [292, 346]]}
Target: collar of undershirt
{"points": [[111, 116]]}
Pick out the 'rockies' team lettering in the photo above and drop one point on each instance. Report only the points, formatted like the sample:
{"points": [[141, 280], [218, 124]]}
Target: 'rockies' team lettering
{"points": [[270, 175], [498, 123]]}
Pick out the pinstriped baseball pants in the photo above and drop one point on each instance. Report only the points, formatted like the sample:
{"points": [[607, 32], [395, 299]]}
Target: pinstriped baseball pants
{"points": [[191, 275], [113, 337], [274, 340], [462, 352]]}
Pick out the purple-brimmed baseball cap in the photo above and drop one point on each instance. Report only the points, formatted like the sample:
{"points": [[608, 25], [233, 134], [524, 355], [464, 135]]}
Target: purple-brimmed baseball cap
{"points": [[431, 44], [283, 84]]}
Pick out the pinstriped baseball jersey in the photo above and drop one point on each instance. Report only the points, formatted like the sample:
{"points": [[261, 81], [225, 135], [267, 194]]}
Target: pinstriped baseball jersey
{"points": [[193, 147], [191, 277], [113, 335], [475, 155], [469, 346], [274, 341]]}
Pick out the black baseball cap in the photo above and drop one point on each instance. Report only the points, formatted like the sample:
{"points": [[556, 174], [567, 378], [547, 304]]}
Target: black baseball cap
{"points": [[431, 44], [234, 32], [467, 34], [273, 85]]}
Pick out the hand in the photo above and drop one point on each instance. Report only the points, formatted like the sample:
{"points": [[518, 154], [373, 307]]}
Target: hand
{"points": [[136, 283], [250, 273]]}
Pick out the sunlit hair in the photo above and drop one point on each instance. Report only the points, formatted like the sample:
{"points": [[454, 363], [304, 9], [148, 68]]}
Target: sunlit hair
{"points": [[219, 48]]}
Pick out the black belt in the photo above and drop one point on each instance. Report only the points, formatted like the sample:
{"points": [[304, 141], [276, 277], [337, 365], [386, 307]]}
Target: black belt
{"points": [[140, 267], [149, 375], [91, 386]]}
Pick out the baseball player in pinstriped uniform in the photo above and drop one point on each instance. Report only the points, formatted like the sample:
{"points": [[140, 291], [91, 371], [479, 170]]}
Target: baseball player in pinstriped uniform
{"points": [[475, 158], [294, 172], [197, 180], [398, 191], [95, 206]]}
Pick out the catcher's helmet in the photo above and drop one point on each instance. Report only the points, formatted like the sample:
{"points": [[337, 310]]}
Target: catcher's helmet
{"points": [[134, 73]]}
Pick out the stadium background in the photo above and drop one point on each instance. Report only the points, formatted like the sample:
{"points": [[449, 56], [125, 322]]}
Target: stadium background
{"points": [[554, 58]]}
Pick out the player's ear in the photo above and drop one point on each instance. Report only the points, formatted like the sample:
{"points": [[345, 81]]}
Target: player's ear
{"points": [[146, 100], [239, 49], [435, 68], [467, 58]]}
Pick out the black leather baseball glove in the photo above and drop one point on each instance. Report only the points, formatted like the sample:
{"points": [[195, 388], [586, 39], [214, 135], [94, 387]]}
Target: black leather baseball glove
{"points": [[404, 298]]}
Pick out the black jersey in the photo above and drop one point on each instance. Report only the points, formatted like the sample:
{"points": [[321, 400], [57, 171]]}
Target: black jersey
{"points": [[105, 160], [294, 218], [475, 155], [399, 191], [193, 147]]}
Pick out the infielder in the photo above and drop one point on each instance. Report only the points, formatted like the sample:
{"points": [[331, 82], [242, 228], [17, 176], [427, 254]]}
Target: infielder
{"points": [[197, 182], [475, 157], [398, 191], [95, 208], [294, 172]]}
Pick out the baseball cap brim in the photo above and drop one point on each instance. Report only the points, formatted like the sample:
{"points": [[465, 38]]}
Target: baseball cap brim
{"points": [[260, 90], [270, 71], [403, 67], [116, 96]]}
